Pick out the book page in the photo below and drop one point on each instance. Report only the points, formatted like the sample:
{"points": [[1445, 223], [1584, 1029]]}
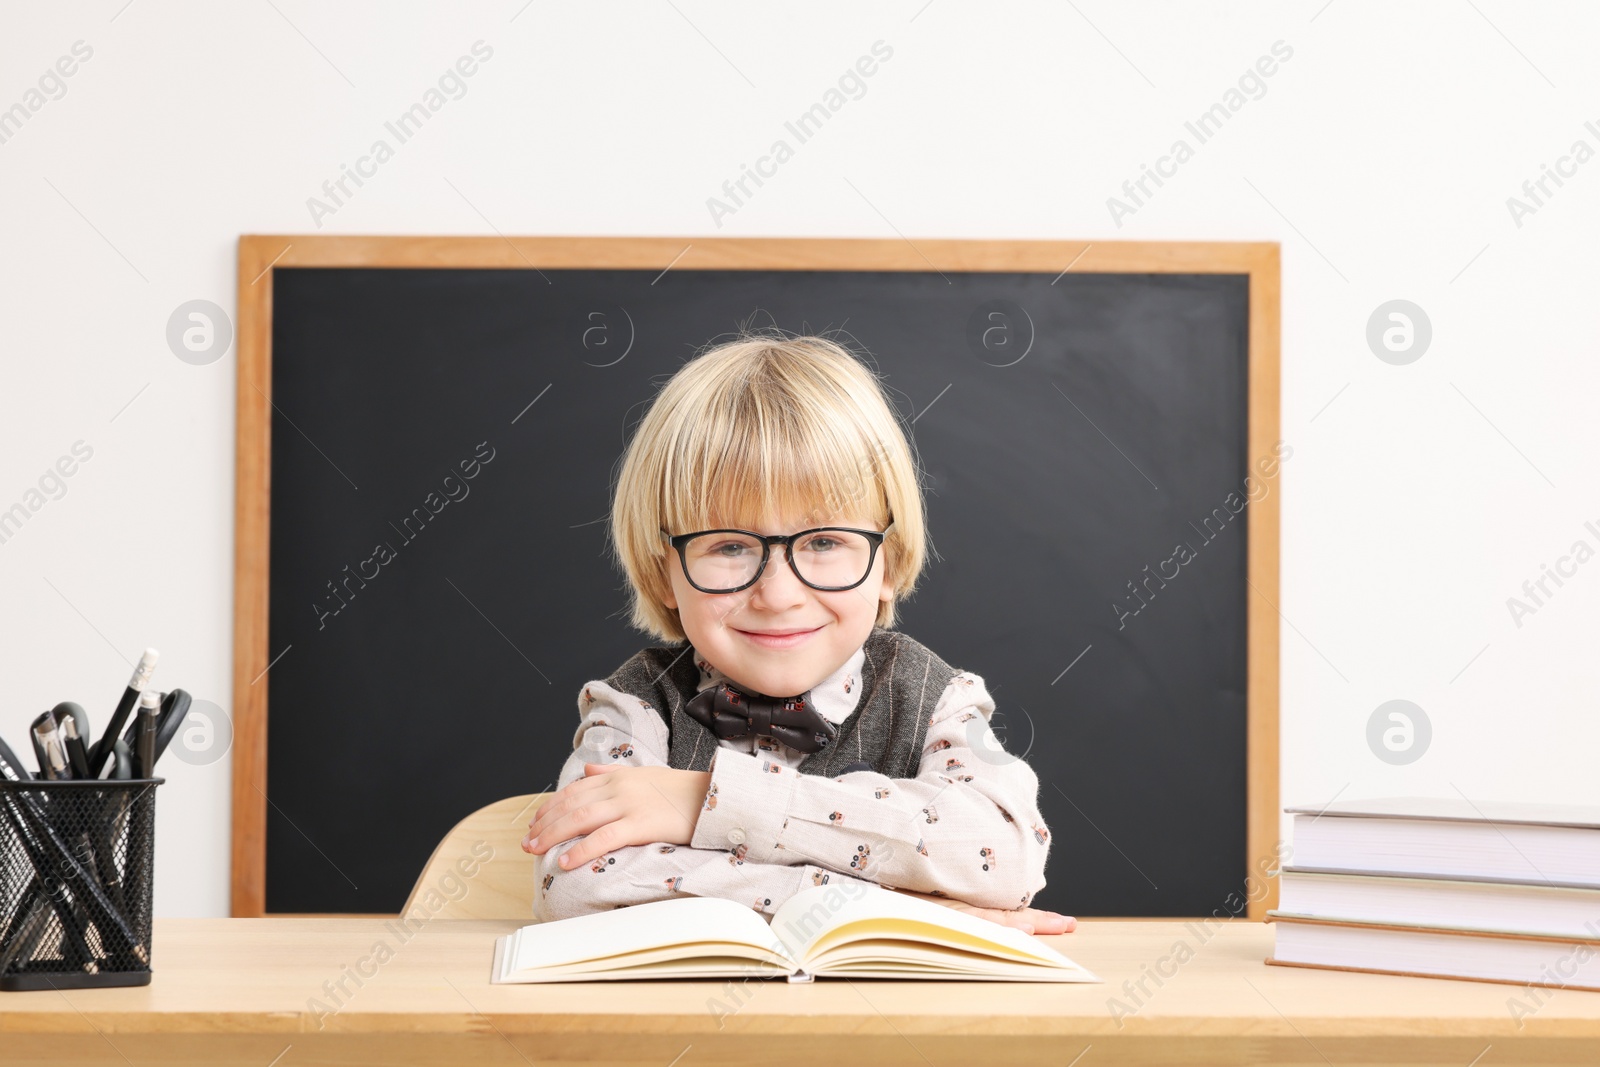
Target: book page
{"points": [[806, 919], [692, 926], [1459, 809]]}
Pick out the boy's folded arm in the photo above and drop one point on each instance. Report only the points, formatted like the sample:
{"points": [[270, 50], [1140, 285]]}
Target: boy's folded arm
{"points": [[639, 874], [614, 727], [619, 728], [967, 826]]}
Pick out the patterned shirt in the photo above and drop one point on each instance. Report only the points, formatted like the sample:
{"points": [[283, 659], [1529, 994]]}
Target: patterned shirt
{"points": [[966, 827]]}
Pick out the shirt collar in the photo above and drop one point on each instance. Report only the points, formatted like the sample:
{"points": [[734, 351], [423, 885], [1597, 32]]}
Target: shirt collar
{"points": [[836, 696]]}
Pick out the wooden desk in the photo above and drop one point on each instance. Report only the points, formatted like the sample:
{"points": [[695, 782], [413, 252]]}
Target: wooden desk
{"points": [[243, 991]]}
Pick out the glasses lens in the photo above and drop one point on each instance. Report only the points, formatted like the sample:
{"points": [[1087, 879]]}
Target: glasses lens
{"points": [[726, 561], [722, 560]]}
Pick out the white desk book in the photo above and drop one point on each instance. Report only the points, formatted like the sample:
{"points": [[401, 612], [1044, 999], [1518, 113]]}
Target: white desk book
{"points": [[843, 930], [1444, 837]]}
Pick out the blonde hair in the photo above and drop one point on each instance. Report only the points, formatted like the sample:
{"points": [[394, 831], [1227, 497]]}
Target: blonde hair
{"points": [[764, 425]]}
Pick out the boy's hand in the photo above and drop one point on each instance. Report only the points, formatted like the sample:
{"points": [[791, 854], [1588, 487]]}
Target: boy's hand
{"points": [[1028, 920], [617, 806]]}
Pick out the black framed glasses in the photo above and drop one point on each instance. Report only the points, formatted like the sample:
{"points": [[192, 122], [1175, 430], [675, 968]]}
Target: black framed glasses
{"points": [[828, 558]]}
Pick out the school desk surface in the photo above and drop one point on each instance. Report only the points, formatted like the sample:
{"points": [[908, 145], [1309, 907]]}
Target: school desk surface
{"points": [[252, 991]]}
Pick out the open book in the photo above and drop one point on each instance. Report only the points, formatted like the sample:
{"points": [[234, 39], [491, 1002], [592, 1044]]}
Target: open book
{"points": [[847, 930]]}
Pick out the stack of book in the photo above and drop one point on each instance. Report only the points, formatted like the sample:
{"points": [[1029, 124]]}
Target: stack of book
{"points": [[1447, 888]]}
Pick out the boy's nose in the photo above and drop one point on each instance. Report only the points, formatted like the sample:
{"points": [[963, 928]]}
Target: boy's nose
{"points": [[779, 580]]}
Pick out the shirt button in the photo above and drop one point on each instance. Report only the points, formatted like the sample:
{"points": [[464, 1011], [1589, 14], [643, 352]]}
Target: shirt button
{"points": [[736, 836]]}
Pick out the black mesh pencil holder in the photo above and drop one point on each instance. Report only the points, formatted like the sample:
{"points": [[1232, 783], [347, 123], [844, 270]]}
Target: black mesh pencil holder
{"points": [[77, 859]]}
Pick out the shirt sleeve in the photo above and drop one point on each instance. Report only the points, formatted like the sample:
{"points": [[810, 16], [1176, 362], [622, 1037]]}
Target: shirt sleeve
{"points": [[616, 727], [967, 826]]}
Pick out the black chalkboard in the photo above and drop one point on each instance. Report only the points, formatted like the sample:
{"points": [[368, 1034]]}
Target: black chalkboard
{"points": [[1072, 429]]}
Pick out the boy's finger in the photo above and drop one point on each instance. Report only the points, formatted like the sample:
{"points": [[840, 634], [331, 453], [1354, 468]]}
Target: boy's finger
{"points": [[540, 823], [608, 831], [551, 803], [563, 800], [567, 827], [570, 825], [601, 768], [543, 829], [539, 844], [578, 855]]}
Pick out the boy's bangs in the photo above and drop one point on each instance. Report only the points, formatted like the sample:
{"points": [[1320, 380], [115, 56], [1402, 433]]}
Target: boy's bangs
{"points": [[736, 483]]}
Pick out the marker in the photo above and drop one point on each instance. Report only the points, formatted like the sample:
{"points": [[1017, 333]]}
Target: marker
{"points": [[48, 747], [72, 739], [144, 749], [141, 678]]}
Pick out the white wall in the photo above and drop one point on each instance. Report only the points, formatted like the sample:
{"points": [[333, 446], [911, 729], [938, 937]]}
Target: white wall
{"points": [[1419, 497]]}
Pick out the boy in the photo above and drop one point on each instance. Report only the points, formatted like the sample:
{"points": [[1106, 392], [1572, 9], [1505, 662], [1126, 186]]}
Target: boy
{"points": [[768, 515]]}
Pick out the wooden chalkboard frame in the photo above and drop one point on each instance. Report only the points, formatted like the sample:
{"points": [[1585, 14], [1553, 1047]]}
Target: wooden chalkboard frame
{"points": [[261, 254]]}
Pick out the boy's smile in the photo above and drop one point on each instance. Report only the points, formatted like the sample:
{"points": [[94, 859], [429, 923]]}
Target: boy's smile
{"points": [[780, 637]]}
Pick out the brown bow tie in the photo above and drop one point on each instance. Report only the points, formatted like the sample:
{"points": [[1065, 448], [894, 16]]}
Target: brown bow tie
{"points": [[730, 712]]}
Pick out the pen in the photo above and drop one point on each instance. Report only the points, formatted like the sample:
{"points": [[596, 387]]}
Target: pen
{"points": [[48, 747], [72, 723], [174, 709], [141, 678], [144, 749], [72, 740], [98, 840]]}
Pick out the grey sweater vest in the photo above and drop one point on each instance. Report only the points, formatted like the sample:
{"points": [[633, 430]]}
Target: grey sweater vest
{"points": [[901, 682]]}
